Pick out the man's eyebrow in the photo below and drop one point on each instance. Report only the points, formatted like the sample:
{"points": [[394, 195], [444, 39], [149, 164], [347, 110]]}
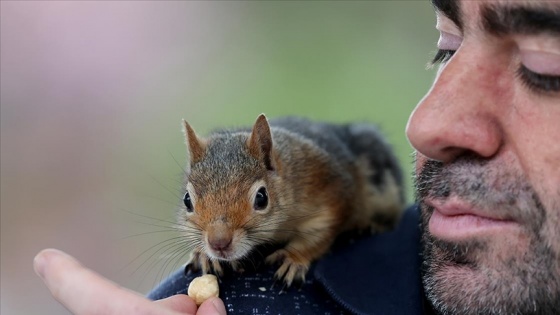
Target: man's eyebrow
{"points": [[451, 9], [503, 20]]}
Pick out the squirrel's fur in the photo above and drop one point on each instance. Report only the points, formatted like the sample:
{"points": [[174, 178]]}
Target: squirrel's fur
{"points": [[319, 180]]}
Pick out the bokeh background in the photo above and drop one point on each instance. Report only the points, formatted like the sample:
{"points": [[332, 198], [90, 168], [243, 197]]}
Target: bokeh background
{"points": [[93, 92]]}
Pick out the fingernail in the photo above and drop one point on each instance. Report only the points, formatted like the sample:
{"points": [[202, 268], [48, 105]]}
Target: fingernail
{"points": [[39, 263], [219, 306], [43, 258]]}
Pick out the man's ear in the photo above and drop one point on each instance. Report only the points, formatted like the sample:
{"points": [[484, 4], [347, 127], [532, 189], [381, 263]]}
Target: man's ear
{"points": [[260, 142], [196, 147]]}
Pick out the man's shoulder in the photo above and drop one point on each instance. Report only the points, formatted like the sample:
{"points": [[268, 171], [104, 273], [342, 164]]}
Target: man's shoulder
{"points": [[377, 274]]}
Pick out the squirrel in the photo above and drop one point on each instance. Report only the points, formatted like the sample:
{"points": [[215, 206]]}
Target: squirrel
{"points": [[291, 181]]}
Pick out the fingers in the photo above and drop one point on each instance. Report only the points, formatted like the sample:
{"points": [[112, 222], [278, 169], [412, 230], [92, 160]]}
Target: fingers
{"points": [[179, 303], [212, 306], [82, 291], [185, 305]]}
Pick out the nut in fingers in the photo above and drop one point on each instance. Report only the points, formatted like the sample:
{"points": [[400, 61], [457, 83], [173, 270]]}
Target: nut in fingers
{"points": [[203, 287]]}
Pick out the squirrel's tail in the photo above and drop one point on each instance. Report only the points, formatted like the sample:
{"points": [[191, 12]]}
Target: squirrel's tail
{"points": [[385, 194], [365, 140]]}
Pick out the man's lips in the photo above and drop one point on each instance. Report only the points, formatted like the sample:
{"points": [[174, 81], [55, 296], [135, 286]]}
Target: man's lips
{"points": [[453, 219]]}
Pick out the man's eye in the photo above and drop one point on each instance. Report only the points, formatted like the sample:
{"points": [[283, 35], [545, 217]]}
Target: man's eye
{"points": [[539, 82], [442, 56]]}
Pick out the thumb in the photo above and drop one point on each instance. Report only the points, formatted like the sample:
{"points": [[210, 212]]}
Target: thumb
{"points": [[212, 306]]}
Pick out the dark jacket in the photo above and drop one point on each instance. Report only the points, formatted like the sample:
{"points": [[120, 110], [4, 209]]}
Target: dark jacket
{"points": [[378, 274]]}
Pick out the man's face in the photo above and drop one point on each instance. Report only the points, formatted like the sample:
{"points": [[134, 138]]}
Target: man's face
{"points": [[487, 137]]}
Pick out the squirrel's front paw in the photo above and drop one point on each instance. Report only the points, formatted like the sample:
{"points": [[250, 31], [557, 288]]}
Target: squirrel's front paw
{"points": [[237, 267], [292, 269], [199, 261]]}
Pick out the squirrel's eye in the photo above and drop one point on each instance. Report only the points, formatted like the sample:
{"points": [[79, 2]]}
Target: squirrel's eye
{"points": [[188, 202], [261, 199]]}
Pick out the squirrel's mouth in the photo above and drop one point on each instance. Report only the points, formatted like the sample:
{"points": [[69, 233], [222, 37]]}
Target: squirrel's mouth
{"points": [[230, 253], [220, 254]]}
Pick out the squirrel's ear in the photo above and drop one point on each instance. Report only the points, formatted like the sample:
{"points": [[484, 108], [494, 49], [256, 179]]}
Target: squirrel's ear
{"points": [[196, 147], [260, 141]]}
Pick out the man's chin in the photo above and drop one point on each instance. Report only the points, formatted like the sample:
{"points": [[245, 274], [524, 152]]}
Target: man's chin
{"points": [[453, 277], [484, 276]]}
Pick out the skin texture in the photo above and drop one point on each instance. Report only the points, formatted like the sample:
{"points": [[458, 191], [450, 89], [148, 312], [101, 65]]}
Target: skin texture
{"points": [[487, 144]]}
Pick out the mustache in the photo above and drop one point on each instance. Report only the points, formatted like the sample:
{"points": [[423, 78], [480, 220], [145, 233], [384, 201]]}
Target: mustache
{"points": [[491, 185]]}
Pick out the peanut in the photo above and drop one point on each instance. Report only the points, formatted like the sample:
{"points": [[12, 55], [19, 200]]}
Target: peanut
{"points": [[203, 287]]}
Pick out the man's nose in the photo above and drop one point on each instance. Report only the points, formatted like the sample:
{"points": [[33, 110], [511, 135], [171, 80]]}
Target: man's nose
{"points": [[461, 112]]}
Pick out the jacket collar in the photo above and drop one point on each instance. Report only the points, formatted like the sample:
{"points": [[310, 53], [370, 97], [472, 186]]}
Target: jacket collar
{"points": [[379, 274]]}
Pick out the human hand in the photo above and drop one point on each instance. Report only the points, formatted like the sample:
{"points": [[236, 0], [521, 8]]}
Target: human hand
{"points": [[82, 291]]}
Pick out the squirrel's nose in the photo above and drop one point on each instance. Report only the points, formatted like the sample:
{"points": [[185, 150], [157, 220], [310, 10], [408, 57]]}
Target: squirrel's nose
{"points": [[219, 243]]}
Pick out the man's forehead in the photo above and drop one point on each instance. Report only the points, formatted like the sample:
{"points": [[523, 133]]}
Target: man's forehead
{"points": [[508, 15], [455, 9]]}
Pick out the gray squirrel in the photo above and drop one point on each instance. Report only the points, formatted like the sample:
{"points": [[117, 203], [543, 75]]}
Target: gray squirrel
{"points": [[289, 181]]}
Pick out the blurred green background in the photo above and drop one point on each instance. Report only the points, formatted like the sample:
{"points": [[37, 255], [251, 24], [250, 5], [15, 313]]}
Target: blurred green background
{"points": [[92, 95]]}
